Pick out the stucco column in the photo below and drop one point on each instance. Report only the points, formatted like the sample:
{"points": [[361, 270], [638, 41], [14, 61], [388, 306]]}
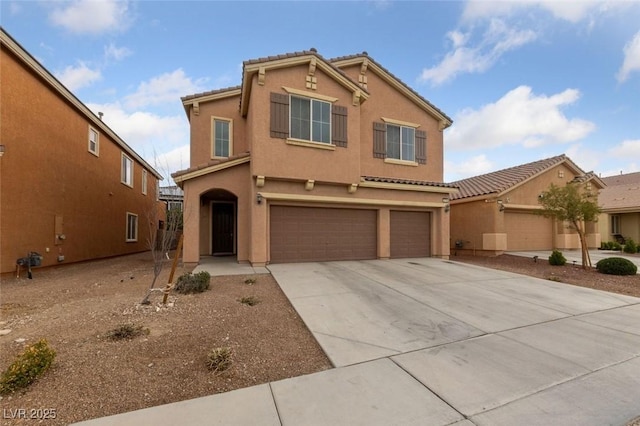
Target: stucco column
{"points": [[191, 229], [384, 233], [259, 231], [441, 234]]}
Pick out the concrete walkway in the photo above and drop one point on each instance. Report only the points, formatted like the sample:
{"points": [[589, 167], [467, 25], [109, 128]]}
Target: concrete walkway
{"points": [[227, 265], [433, 342], [576, 256]]}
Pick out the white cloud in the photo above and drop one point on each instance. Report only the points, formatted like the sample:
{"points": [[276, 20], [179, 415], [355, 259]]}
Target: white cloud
{"points": [[90, 16], [163, 89], [587, 159], [631, 58], [497, 40], [77, 77], [518, 118], [116, 53], [473, 166], [625, 150], [172, 161], [571, 11]]}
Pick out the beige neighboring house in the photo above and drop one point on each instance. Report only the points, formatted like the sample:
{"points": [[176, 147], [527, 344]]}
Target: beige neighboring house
{"points": [[314, 159], [496, 212], [620, 203]]}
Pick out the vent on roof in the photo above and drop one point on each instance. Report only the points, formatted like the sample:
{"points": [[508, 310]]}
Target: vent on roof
{"points": [[313, 49]]}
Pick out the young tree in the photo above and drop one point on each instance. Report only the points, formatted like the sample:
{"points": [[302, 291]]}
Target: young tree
{"points": [[574, 205]]}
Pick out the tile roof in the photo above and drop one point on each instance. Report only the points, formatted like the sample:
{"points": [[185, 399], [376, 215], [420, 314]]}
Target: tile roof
{"points": [[408, 182], [501, 180], [621, 193], [366, 55], [210, 163], [210, 92]]}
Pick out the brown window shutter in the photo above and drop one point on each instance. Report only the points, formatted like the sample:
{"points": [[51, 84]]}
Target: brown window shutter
{"points": [[279, 115], [339, 125], [379, 140], [421, 147]]}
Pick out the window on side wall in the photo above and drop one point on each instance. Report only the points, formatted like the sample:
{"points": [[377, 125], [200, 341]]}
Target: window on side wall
{"points": [[222, 131], [126, 174], [615, 224], [310, 120], [94, 141], [144, 182], [132, 227]]}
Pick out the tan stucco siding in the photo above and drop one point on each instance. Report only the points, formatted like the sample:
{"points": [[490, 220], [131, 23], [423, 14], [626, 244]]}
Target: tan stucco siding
{"points": [[274, 157], [47, 171]]}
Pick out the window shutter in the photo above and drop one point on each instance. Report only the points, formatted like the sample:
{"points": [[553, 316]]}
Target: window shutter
{"points": [[279, 115], [379, 140], [421, 147], [339, 125]]}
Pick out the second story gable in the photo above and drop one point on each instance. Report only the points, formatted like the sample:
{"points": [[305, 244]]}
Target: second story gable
{"points": [[301, 116]]}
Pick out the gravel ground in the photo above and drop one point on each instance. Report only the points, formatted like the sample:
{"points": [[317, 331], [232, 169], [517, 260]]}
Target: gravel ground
{"points": [[75, 306]]}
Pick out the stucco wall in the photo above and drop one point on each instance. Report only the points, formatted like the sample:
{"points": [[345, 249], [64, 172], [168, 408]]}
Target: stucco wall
{"points": [[47, 171]]}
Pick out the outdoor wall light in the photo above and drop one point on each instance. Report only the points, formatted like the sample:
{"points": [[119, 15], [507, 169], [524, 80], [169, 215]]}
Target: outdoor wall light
{"points": [[2, 149], [259, 198], [445, 200], [500, 205]]}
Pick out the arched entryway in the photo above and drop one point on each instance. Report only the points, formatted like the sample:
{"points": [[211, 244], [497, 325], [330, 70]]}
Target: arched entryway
{"points": [[222, 207]]}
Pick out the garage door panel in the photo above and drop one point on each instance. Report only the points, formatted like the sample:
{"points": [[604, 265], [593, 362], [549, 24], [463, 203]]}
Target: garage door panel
{"points": [[410, 234], [526, 231], [303, 234]]}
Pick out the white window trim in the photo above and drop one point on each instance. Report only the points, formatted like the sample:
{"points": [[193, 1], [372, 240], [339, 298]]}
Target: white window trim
{"points": [[399, 122], [95, 152], [312, 95], [305, 142], [144, 182], [615, 224], [126, 236], [213, 135], [122, 173]]}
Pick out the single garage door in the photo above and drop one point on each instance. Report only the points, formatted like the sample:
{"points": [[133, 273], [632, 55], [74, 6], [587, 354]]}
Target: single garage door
{"points": [[410, 234], [308, 234], [526, 231]]}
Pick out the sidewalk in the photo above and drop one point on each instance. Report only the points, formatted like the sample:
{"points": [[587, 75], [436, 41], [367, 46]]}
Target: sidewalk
{"points": [[576, 256]]}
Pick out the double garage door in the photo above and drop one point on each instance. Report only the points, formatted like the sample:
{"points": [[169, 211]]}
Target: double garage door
{"points": [[307, 234]]}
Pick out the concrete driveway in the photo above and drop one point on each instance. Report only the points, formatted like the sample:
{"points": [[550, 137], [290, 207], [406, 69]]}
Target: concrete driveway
{"points": [[487, 346], [433, 342]]}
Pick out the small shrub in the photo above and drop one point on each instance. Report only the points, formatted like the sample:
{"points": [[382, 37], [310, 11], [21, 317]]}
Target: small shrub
{"points": [[616, 266], [554, 278], [557, 259], [193, 283], [630, 246], [28, 366], [616, 246], [219, 359], [606, 245], [250, 281], [126, 331], [250, 300]]}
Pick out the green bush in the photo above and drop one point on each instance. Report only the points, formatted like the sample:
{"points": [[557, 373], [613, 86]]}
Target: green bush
{"points": [[616, 266], [219, 359], [249, 300], [616, 246], [28, 366], [630, 246], [606, 245], [557, 259], [193, 283]]}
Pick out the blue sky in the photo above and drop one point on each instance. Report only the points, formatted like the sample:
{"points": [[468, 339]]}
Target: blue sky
{"points": [[522, 80]]}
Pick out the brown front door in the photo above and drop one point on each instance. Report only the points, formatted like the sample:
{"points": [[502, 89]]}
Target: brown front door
{"points": [[410, 234], [222, 228], [308, 234]]}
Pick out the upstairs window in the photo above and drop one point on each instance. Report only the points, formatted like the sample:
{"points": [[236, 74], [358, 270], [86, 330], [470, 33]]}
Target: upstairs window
{"points": [[222, 141], [313, 118], [94, 141], [310, 120], [401, 142], [126, 175], [144, 182]]}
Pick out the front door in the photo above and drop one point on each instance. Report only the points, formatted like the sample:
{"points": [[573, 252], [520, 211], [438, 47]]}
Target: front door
{"points": [[222, 228]]}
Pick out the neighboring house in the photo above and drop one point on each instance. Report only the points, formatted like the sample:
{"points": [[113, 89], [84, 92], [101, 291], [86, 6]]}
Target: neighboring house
{"points": [[71, 189], [313, 159], [620, 204], [172, 196], [496, 212]]}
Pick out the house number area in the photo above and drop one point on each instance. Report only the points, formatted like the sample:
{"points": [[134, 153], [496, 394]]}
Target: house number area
{"points": [[29, 413]]}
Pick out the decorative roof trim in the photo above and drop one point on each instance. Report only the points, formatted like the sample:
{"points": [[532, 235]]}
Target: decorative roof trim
{"points": [[347, 200], [444, 120], [214, 95], [181, 177], [14, 47]]}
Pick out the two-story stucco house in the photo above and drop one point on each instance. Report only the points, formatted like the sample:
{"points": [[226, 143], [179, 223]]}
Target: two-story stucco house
{"points": [[312, 159], [70, 188]]}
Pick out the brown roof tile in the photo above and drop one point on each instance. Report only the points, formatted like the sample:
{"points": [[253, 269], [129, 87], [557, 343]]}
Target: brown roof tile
{"points": [[622, 192], [408, 182], [501, 180], [210, 92], [366, 55], [210, 163], [625, 179]]}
